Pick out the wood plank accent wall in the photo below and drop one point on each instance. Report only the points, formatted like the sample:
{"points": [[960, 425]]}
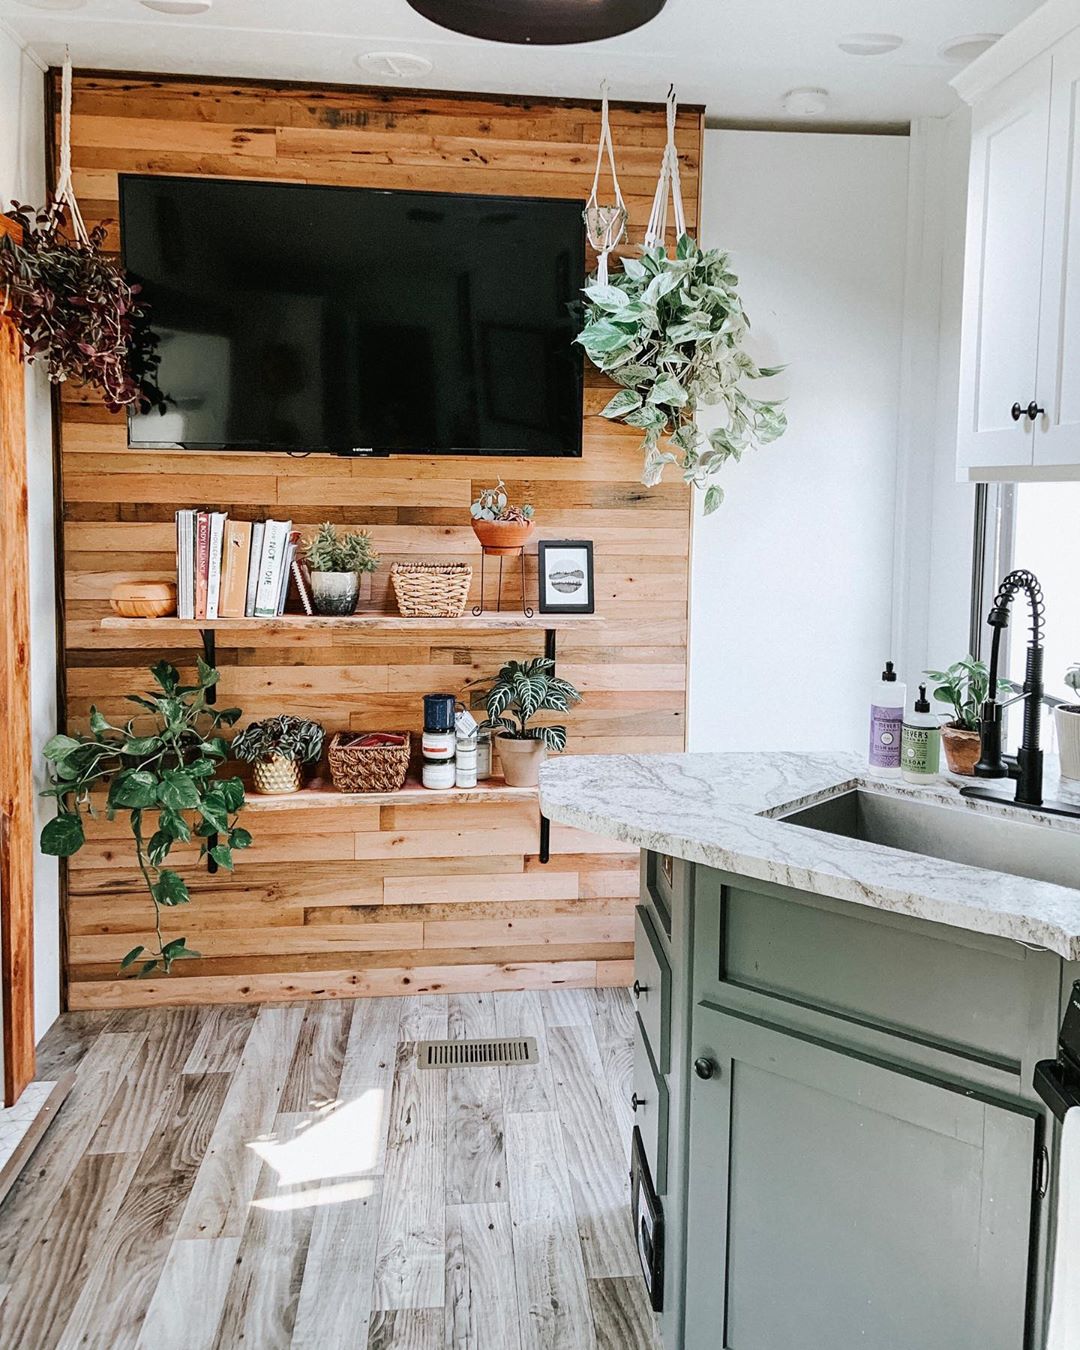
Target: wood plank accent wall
{"points": [[366, 899]]}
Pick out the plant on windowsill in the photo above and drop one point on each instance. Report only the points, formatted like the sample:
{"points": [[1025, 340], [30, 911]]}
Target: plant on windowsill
{"points": [[522, 690], [502, 528], [336, 563], [671, 331], [1067, 720], [964, 686], [276, 748], [169, 769]]}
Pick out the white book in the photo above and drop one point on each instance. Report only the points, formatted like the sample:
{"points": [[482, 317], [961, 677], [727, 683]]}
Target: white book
{"points": [[213, 576], [286, 572], [275, 542], [185, 564], [254, 563]]}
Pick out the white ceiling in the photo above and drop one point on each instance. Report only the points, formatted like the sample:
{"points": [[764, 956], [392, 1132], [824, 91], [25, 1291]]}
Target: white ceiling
{"points": [[738, 57]]}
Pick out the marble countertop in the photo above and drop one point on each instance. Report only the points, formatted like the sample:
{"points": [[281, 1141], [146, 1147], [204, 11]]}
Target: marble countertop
{"points": [[717, 809]]}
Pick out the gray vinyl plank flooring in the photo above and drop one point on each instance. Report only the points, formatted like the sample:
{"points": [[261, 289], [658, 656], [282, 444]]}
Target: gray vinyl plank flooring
{"points": [[286, 1176]]}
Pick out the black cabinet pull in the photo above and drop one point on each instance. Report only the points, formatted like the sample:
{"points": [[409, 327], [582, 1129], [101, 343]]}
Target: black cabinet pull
{"points": [[636, 1101], [1031, 411], [704, 1067], [640, 989]]}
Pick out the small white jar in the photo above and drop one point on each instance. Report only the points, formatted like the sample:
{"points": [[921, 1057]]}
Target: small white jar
{"points": [[438, 745], [439, 774], [466, 761], [483, 755]]}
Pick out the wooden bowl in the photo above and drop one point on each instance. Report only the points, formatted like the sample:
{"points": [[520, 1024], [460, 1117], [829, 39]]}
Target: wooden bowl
{"points": [[143, 599]]}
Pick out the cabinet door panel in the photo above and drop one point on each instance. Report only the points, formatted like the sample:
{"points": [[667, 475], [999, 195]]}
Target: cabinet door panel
{"points": [[1057, 436], [1003, 269], [866, 1206], [651, 1109]]}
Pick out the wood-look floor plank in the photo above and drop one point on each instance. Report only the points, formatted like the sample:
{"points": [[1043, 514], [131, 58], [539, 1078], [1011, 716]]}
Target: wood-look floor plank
{"points": [[475, 1161], [553, 1299], [120, 1286], [622, 1316], [423, 1017], [410, 1262], [222, 1037], [599, 1181], [528, 1087], [226, 1181], [67, 1041], [481, 1300], [188, 1302], [567, 1007], [406, 1329], [315, 1072], [613, 1027], [37, 1192]]}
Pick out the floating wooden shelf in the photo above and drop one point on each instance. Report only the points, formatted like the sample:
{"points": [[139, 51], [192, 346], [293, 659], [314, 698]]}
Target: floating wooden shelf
{"points": [[392, 623], [319, 795]]}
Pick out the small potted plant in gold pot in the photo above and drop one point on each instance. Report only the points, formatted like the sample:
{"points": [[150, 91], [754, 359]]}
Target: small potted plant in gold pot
{"points": [[964, 686], [277, 749], [501, 527], [522, 690]]}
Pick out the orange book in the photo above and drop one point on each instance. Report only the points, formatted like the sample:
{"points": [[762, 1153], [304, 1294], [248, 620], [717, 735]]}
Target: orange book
{"points": [[236, 554]]}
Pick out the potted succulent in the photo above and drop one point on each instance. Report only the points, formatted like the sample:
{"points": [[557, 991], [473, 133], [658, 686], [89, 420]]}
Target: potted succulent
{"points": [[1067, 720], [336, 563], [501, 528], [522, 690], [276, 748], [964, 686]]}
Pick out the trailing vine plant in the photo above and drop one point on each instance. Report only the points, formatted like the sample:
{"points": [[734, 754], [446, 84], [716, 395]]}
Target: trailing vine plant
{"points": [[169, 770], [671, 331]]}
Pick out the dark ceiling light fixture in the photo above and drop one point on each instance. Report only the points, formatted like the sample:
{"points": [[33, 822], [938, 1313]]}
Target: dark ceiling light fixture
{"points": [[540, 22]]}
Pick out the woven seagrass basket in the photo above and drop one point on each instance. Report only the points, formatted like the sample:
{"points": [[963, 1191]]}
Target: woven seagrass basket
{"points": [[431, 590], [368, 768]]}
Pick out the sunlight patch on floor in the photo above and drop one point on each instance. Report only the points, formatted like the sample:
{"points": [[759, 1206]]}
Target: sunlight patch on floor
{"points": [[342, 1141]]}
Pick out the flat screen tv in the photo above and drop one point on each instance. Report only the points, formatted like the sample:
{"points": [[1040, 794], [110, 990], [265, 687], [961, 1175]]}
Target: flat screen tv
{"points": [[298, 318]]}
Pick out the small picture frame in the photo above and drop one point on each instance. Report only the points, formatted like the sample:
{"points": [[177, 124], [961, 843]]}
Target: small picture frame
{"points": [[566, 576]]}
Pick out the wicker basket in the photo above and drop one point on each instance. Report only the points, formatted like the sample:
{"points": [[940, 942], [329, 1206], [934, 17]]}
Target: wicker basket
{"points": [[431, 590], [367, 768]]}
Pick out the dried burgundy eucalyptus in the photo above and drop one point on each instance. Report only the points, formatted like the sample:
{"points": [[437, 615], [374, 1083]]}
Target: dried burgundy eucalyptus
{"points": [[77, 311]]}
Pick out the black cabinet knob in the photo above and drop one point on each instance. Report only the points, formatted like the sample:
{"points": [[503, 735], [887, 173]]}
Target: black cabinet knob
{"points": [[636, 1101], [640, 989], [704, 1067], [1031, 411]]}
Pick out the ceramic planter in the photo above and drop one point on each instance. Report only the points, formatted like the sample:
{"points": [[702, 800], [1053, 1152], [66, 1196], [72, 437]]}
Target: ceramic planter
{"points": [[503, 537], [335, 592], [1067, 718], [521, 761], [279, 774], [962, 749]]}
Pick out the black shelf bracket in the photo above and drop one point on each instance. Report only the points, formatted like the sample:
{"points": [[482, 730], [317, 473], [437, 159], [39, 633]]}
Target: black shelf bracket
{"points": [[545, 824], [209, 646]]}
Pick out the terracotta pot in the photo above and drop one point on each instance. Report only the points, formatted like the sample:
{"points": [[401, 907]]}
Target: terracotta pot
{"points": [[335, 592], [521, 761], [276, 775], [962, 749], [503, 537], [1067, 718]]}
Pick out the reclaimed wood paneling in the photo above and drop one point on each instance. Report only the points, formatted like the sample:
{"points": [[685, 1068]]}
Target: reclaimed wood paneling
{"points": [[341, 898]]}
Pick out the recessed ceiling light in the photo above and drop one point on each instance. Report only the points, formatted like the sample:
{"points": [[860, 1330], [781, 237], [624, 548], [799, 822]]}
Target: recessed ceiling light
{"points": [[806, 102], [177, 6], [869, 44], [53, 4], [394, 65], [961, 51], [544, 22]]}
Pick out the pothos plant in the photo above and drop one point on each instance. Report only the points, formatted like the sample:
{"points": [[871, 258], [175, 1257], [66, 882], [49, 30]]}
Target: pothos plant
{"points": [[523, 689], [77, 310], [671, 331], [166, 769]]}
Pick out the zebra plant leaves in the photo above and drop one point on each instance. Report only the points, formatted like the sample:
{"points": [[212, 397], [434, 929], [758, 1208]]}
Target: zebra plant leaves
{"points": [[523, 689]]}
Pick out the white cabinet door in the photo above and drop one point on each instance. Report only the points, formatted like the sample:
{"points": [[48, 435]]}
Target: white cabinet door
{"points": [[1003, 269], [1057, 432]]}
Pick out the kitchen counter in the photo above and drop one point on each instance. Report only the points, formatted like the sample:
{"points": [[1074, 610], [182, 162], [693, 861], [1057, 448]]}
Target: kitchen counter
{"points": [[717, 809]]}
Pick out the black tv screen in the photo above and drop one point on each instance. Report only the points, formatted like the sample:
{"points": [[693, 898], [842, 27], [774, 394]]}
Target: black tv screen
{"points": [[294, 317]]}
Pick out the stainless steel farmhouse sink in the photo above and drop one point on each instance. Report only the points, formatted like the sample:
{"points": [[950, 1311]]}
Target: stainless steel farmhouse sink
{"points": [[997, 842]]}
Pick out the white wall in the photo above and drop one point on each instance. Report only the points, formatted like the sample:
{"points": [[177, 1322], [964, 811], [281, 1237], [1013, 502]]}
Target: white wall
{"points": [[792, 600], [22, 177]]}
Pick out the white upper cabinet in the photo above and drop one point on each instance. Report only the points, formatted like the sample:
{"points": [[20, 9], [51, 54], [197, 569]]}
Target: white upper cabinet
{"points": [[1020, 344]]}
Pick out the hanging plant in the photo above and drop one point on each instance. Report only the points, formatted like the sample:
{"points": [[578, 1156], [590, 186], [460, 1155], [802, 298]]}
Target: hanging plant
{"points": [[77, 311], [671, 330]]}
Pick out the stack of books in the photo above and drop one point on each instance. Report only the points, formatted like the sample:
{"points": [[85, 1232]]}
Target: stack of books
{"points": [[235, 569]]}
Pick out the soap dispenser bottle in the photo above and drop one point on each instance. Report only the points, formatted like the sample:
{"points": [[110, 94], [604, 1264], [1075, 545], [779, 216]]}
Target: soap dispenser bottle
{"points": [[887, 702], [920, 744]]}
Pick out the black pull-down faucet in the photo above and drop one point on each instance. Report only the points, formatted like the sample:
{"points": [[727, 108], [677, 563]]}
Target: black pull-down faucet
{"points": [[1027, 767]]}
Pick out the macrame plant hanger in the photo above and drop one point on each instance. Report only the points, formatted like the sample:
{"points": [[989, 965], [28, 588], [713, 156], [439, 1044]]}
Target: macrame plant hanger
{"points": [[668, 184], [64, 194], [605, 226]]}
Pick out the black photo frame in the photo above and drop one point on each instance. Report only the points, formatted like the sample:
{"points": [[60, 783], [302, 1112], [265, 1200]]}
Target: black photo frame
{"points": [[576, 557]]}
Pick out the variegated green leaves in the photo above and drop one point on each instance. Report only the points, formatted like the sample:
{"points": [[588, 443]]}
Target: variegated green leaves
{"points": [[523, 689], [670, 331]]}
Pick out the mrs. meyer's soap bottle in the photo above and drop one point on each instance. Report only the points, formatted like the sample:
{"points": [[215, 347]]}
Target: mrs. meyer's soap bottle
{"points": [[887, 702]]}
